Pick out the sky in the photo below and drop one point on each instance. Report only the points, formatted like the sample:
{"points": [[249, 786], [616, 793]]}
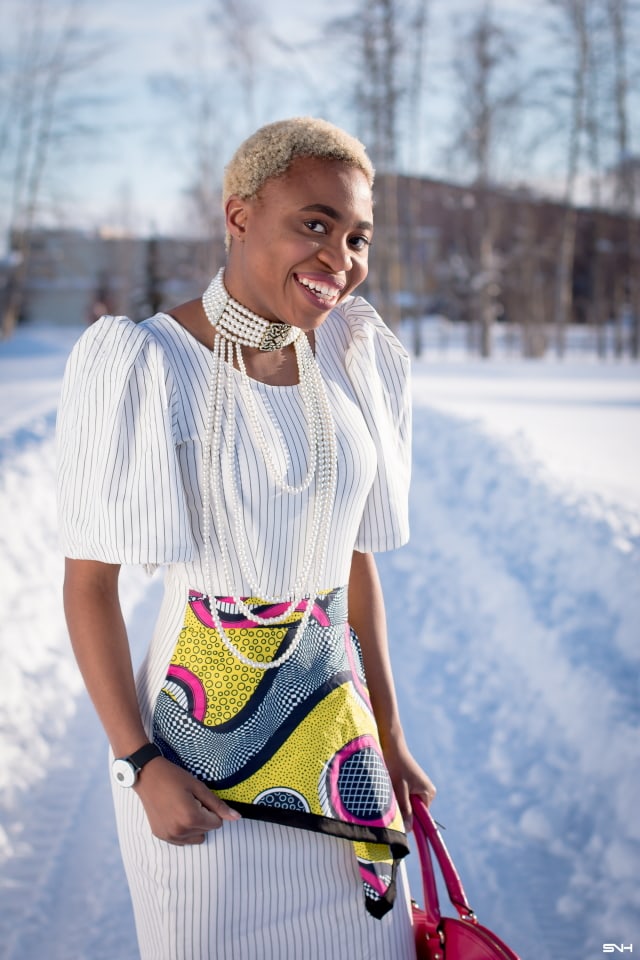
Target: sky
{"points": [[131, 173]]}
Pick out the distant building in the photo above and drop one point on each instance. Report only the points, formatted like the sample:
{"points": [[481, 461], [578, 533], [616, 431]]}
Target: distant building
{"points": [[74, 276], [485, 254], [477, 254]]}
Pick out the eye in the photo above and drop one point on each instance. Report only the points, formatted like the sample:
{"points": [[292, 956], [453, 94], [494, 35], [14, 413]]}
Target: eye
{"points": [[360, 243], [317, 226]]}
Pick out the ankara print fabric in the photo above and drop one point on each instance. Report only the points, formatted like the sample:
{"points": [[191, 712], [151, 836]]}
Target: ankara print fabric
{"points": [[295, 745]]}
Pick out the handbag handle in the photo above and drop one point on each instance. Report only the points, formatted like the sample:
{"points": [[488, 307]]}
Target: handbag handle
{"points": [[429, 888], [428, 838]]}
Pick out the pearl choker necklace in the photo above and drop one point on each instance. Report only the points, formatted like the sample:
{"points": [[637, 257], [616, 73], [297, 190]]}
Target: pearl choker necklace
{"points": [[240, 325], [235, 327]]}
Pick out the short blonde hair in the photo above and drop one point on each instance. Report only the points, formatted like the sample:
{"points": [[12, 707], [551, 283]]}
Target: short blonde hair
{"points": [[270, 151]]}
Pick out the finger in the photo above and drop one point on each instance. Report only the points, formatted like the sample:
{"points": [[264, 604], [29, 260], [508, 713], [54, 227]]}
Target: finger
{"points": [[192, 822], [214, 804], [426, 793], [430, 793], [404, 802], [191, 840], [180, 834], [197, 822]]}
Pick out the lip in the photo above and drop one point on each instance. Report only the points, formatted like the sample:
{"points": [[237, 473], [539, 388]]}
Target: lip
{"points": [[319, 300]]}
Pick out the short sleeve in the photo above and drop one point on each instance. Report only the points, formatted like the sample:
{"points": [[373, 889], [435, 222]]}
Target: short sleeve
{"points": [[120, 492], [378, 367]]}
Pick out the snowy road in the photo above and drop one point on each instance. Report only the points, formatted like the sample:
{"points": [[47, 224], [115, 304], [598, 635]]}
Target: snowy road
{"points": [[514, 616], [520, 665]]}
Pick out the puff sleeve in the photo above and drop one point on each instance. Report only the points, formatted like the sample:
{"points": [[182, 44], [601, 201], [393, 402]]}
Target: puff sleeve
{"points": [[120, 492], [378, 367]]}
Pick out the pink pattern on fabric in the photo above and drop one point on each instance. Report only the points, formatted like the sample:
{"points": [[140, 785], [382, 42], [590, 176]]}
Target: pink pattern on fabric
{"points": [[372, 878], [364, 742], [197, 604], [357, 682], [195, 686]]}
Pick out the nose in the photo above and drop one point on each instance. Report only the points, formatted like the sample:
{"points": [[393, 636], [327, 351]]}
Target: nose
{"points": [[337, 255]]}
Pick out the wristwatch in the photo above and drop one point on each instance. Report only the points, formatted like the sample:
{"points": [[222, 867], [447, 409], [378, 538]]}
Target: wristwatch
{"points": [[125, 770]]}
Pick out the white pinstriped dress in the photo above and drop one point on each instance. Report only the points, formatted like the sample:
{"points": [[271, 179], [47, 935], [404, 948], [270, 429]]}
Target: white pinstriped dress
{"points": [[130, 434]]}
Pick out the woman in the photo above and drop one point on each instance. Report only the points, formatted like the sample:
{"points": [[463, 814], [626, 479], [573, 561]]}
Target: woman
{"points": [[256, 442]]}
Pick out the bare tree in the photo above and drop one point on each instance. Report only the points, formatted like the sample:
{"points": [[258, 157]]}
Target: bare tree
{"points": [[193, 98], [596, 310], [377, 91], [572, 24], [44, 119], [242, 27], [376, 100], [384, 47], [618, 18], [488, 95], [213, 95], [419, 278]]}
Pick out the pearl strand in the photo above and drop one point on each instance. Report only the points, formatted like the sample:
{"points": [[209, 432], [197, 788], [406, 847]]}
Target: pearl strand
{"points": [[258, 432], [239, 324], [235, 325], [212, 451], [304, 583]]}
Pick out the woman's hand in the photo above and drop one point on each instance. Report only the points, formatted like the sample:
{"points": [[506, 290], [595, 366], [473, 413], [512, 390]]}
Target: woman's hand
{"points": [[408, 779], [179, 808]]}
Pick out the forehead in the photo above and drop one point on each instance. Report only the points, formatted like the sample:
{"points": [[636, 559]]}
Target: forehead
{"points": [[312, 181]]}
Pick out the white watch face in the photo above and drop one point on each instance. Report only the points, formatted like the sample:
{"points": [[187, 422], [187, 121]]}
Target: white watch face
{"points": [[124, 773]]}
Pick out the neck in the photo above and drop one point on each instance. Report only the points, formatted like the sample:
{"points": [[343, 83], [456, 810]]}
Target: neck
{"points": [[235, 322]]}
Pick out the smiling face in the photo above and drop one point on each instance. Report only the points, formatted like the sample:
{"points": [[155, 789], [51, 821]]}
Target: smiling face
{"points": [[301, 245]]}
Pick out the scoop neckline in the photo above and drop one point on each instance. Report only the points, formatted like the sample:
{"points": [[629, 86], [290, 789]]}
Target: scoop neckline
{"points": [[207, 350]]}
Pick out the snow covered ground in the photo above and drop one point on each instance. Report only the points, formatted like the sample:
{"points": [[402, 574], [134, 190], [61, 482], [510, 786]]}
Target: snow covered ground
{"points": [[515, 620]]}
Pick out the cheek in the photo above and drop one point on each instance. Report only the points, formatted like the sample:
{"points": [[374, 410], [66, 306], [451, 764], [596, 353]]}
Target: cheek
{"points": [[287, 250], [361, 270]]}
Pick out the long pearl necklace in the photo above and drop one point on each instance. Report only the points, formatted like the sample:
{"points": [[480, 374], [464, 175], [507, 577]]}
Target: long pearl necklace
{"points": [[235, 327]]}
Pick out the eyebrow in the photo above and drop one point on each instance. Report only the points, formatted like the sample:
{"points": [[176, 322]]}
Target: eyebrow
{"points": [[334, 214]]}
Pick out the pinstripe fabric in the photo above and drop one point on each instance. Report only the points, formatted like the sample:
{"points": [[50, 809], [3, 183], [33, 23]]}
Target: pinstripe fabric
{"points": [[254, 891], [129, 433]]}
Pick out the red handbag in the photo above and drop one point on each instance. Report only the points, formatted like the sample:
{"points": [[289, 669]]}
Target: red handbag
{"points": [[447, 938]]}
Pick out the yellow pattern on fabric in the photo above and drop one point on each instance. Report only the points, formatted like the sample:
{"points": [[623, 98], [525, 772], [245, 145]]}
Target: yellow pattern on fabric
{"points": [[228, 682], [364, 850], [300, 762], [374, 852]]}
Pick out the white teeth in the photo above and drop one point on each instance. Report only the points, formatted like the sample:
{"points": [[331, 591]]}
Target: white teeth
{"points": [[320, 288]]}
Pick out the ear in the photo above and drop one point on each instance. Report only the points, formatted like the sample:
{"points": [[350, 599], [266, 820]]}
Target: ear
{"points": [[236, 214]]}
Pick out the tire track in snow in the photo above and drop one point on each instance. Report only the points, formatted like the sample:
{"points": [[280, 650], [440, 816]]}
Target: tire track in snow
{"points": [[40, 681], [514, 656], [64, 889], [63, 894]]}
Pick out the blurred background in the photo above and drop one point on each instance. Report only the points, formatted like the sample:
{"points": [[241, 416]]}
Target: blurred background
{"points": [[504, 133]]}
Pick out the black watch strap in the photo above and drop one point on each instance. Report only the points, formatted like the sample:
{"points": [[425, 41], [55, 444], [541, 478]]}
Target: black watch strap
{"points": [[149, 752]]}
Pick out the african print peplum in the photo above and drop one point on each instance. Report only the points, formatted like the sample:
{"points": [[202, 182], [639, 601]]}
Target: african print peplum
{"points": [[296, 745]]}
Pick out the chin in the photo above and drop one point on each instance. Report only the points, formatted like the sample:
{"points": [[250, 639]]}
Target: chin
{"points": [[311, 323]]}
